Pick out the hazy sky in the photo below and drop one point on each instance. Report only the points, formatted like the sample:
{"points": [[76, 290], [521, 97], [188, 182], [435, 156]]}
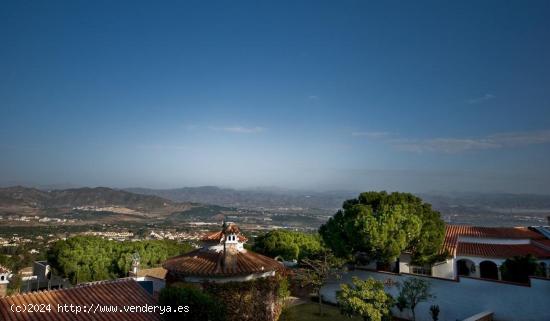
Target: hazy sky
{"points": [[405, 95]]}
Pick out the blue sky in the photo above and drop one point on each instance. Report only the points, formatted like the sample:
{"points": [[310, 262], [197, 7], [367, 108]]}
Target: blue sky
{"points": [[354, 95]]}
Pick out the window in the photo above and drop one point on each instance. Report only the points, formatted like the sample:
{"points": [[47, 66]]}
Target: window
{"points": [[422, 270]]}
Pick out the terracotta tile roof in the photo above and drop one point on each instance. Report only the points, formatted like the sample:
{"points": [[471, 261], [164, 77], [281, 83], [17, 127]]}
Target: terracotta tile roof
{"points": [[206, 263], [501, 250], [159, 273], [4, 269], [545, 244], [125, 292], [214, 236], [231, 228], [452, 232]]}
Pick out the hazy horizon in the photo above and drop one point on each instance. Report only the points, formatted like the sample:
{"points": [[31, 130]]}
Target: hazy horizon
{"points": [[416, 97], [267, 189]]}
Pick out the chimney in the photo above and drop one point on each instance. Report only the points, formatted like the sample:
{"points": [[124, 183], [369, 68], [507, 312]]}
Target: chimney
{"points": [[4, 273], [230, 252], [3, 289], [135, 265]]}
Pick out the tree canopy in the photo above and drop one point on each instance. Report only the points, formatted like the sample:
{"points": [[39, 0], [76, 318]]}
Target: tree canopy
{"points": [[380, 226], [365, 298], [88, 258], [288, 244], [316, 272], [413, 291]]}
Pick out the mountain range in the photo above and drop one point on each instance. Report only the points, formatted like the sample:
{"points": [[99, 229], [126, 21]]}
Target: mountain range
{"points": [[252, 198], [188, 202], [30, 201]]}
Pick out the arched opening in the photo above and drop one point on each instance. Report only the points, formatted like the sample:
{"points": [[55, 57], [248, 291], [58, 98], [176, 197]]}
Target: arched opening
{"points": [[465, 267], [488, 270], [2, 278], [543, 269]]}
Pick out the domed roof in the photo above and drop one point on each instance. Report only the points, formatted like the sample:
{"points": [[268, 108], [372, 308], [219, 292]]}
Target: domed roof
{"points": [[203, 262], [222, 257]]}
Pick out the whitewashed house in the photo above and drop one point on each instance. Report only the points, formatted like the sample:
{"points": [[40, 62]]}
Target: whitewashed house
{"points": [[480, 251]]}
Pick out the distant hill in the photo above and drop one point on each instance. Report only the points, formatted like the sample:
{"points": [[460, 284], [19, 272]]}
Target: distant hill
{"points": [[251, 198], [492, 209], [495, 201], [188, 204], [18, 198]]}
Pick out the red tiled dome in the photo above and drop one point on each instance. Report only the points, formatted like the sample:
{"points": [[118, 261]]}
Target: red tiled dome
{"points": [[222, 257]]}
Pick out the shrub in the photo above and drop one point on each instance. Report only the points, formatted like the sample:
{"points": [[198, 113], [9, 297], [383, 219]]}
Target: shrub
{"points": [[202, 307]]}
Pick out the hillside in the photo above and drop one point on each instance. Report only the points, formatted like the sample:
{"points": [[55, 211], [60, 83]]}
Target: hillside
{"points": [[23, 200], [252, 198], [458, 208]]}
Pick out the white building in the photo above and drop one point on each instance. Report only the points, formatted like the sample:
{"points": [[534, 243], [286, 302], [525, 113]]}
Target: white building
{"points": [[480, 251]]}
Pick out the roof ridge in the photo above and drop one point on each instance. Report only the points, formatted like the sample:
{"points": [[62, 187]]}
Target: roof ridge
{"points": [[117, 280], [123, 291]]}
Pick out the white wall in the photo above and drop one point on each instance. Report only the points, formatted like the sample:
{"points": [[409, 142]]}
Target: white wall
{"points": [[404, 263], [459, 300], [158, 284], [478, 260], [444, 269]]}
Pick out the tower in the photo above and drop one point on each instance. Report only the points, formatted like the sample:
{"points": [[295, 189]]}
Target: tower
{"points": [[231, 245]]}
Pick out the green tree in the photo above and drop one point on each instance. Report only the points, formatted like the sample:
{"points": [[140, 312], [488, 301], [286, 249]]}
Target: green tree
{"points": [[379, 226], [288, 244], [519, 268], [365, 298], [316, 272], [86, 258], [414, 291], [202, 307]]}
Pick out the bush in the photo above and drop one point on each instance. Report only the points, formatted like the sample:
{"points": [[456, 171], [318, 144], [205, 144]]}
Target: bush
{"points": [[365, 298], [434, 312], [290, 245], [519, 268], [202, 307]]}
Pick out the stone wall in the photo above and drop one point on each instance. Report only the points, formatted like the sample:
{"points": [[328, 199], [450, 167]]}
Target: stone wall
{"points": [[255, 300]]}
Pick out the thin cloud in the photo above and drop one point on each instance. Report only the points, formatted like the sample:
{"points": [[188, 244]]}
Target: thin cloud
{"points": [[162, 147], [371, 134], [444, 145], [240, 129], [459, 145], [481, 99]]}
